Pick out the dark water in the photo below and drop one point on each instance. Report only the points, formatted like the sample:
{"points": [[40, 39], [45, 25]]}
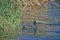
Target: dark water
{"points": [[31, 37], [52, 31]]}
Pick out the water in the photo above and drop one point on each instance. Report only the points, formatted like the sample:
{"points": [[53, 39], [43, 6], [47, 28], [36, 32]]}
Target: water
{"points": [[52, 32]]}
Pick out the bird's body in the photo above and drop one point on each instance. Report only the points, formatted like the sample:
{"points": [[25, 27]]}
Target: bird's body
{"points": [[47, 23]]}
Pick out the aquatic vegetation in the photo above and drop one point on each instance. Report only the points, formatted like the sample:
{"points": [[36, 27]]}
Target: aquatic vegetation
{"points": [[10, 13]]}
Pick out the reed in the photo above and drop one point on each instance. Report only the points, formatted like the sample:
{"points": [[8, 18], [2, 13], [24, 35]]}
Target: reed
{"points": [[10, 13]]}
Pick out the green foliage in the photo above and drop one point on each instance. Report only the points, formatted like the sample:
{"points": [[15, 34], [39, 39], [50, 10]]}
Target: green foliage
{"points": [[10, 13]]}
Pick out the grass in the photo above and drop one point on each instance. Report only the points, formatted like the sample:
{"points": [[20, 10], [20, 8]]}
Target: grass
{"points": [[10, 13]]}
